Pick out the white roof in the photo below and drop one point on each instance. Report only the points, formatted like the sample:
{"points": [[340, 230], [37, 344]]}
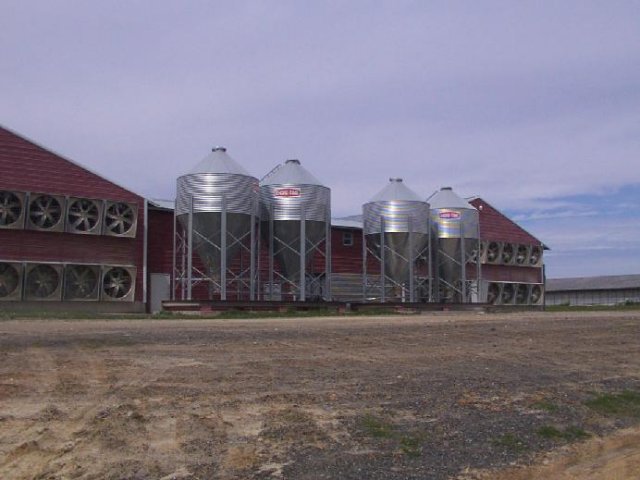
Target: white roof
{"points": [[396, 190], [218, 161], [446, 198], [290, 173]]}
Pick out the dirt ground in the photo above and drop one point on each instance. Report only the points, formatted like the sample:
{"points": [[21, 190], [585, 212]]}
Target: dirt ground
{"points": [[460, 396]]}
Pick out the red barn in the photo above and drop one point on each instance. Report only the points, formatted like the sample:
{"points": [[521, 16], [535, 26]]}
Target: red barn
{"points": [[69, 237]]}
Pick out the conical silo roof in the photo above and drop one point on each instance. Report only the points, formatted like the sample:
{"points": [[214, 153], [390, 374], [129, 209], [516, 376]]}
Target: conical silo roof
{"points": [[446, 198], [218, 161], [291, 173], [396, 190]]}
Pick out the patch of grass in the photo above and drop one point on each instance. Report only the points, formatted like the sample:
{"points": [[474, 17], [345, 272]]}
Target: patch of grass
{"points": [[510, 442], [623, 404], [569, 434], [411, 445], [377, 427], [545, 405]]}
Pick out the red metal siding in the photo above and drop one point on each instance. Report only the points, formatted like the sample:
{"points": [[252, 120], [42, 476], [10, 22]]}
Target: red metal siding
{"points": [[28, 167], [507, 273], [160, 242]]}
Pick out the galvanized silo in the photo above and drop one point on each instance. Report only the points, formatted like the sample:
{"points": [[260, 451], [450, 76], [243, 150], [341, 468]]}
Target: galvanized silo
{"points": [[396, 229], [217, 208], [296, 215], [456, 230]]}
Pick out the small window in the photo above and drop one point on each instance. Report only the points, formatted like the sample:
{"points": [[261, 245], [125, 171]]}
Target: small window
{"points": [[347, 239]]}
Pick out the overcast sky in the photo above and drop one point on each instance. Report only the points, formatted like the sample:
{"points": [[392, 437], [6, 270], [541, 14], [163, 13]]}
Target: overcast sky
{"points": [[535, 106]]}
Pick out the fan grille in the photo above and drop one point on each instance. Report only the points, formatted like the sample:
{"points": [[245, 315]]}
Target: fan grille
{"points": [[120, 219], [83, 216], [45, 212], [9, 280], [117, 283], [10, 209], [43, 282]]}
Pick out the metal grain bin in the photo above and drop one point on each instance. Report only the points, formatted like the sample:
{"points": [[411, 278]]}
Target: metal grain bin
{"points": [[455, 226], [396, 228], [224, 200], [296, 213]]}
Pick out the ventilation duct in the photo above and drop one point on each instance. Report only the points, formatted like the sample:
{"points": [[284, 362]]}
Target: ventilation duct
{"points": [[10, 281], [120, 219], [118, 284], [46, 212], [84, 216], [12, 209], [81, 282], [43, 282]]}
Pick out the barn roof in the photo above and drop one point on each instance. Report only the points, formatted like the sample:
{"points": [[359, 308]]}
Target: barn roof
{"points": [[28, 166], [494, 225], [606, 282]]}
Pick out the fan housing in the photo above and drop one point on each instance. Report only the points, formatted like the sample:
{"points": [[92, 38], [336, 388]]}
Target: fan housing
{"points": [[10, 281], [84, 216], [46, 212], [43, 282], [120, 219], [81, 282], [118, 284], [12, 209]]}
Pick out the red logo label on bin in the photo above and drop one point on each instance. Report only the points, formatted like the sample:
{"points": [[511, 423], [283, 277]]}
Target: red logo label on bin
{"points": [[449, 215], [288, 192]]}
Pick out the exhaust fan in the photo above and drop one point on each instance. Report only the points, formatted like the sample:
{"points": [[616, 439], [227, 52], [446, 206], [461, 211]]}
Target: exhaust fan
{"points": [[507, 253], [43, 282], [10, 281], [46, 212], [493, 252], [12, 209], [81, 282], [522, 294], [493, 293], [522, 254], [535, 259], [536, 294], [118, 284], [120, 219], [508, 291], [84, 216]]}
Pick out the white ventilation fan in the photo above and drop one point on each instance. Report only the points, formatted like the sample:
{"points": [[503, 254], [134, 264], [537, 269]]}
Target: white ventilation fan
{"points": [[120, 219], [537, 294], [507, 253], [522, 255], [535, 258], [522, 294], [43, 282], [118, 284], [84, 216], [12, 209], [81, 282], [508, 293], [493, 293], [10, 281], [46, 212], [493, 252]]}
